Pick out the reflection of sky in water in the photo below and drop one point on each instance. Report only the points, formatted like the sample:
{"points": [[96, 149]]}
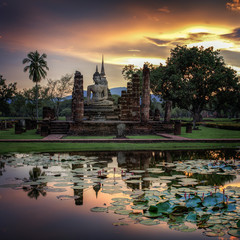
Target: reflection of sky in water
{"points": [[50, 217]]}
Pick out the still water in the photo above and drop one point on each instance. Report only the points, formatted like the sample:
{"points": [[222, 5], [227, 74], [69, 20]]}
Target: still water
{"points": [[120, 195]]}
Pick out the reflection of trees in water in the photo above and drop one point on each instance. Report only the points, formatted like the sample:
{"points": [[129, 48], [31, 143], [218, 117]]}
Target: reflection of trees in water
{"points": [[36, 190], [180, 155], [35, 173], [214, 179], [143, 160], [2, 167]]}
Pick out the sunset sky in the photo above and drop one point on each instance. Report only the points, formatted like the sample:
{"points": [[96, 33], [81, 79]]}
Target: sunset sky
{"points": [[74, 34]]}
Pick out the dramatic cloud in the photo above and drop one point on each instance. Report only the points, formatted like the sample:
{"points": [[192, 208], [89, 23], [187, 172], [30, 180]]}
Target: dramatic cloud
{"points": [[164, 10], [74, 34], [231, 58], [234, 5], [158, 42], [235, 35]]}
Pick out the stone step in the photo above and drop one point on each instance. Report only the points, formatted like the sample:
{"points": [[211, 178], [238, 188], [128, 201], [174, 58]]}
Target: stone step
{"points": [[59, 127]]}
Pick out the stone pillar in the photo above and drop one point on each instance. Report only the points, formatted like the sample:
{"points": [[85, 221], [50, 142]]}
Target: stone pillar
{"points": [[77, 98], [145, 106], [135, 98], [177, 128], [189, 128], [168, 109]]}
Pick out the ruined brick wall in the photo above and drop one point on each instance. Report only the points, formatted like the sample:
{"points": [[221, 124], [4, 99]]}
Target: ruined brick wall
{"points": [[145, 105], [129, 102], [77, 98]]}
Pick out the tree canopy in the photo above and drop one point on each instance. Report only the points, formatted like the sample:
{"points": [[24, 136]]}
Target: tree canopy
{"points": [[194, 79], [37, 69], [6, 94]]}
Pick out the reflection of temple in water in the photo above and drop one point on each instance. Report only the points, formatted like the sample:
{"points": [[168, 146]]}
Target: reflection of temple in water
{"points": [[141, 160]]}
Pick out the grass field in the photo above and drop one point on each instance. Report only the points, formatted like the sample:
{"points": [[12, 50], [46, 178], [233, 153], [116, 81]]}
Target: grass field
{"points": [[10, 134], [202, 133], [210, 133], [68, 147]]}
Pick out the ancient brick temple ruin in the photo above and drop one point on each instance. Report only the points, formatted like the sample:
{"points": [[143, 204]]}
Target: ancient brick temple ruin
{"points": [[99, 116]]}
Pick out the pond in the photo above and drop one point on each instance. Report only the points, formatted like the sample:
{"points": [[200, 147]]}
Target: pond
{"points": [[120, 195]]}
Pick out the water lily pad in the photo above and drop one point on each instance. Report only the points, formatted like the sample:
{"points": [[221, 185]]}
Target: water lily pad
{"points": [[120, 224], [123, 212], [120, 203], [214, 234], [121, 199], [139, 207], [114, 208], [62, 185], [135, 215], [133, 181], [137, 171], [188, 230], [149, 222], [79, 187], [99, 209], [193, 202], [150, 179], [56, 189], [234, 232]]}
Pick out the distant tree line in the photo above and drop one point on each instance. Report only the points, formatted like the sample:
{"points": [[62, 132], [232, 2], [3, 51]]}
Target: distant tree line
{"points": [[22, 103]]}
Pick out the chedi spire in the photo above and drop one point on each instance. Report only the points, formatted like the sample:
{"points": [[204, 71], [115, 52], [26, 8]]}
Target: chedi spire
{"points": [[102, 69]]}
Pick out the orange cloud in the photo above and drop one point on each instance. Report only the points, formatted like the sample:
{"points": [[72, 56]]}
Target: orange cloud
{"points": [[164, 10], [234, 5]]}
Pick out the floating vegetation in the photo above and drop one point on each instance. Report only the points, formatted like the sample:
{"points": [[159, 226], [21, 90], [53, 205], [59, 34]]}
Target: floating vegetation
{"points": [[187, 195]]}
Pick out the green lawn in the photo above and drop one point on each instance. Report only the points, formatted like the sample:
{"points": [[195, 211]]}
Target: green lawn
{"points": [[67, 147], [10, 134], [210, 133]]}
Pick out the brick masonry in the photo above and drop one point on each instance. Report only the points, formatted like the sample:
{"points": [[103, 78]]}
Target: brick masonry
{"points": [[145, 105], [78, 98], [129, 102]]}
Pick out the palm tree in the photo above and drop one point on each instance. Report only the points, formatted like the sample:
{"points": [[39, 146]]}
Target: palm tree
{"points": [[37, 69]]}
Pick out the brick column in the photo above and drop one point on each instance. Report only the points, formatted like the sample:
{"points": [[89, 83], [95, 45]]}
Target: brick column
{"points": [[136, 98], [77, 98], [145, 105]]}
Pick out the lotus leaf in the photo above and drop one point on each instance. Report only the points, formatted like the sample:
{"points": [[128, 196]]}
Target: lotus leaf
{"points": [[238, 224], [193, 202], [214, 234], [99, 209], [120, 203], [120, 224], [234, 232], [149, 222], [191, 217], [114, 208], [137, 171], [162, 207], [123, 212], [180, 210], [135, 215], [210, 201]]}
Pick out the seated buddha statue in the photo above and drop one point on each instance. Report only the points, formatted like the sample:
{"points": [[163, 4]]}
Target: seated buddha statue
{"points": [[99, 91]]}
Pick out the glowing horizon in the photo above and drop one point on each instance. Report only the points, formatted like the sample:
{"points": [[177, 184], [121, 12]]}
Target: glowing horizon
{"points": [[126, 32]]}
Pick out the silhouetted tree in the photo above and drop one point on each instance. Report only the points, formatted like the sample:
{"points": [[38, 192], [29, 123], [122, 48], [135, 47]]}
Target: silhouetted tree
{"points": [[37, 69]]}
